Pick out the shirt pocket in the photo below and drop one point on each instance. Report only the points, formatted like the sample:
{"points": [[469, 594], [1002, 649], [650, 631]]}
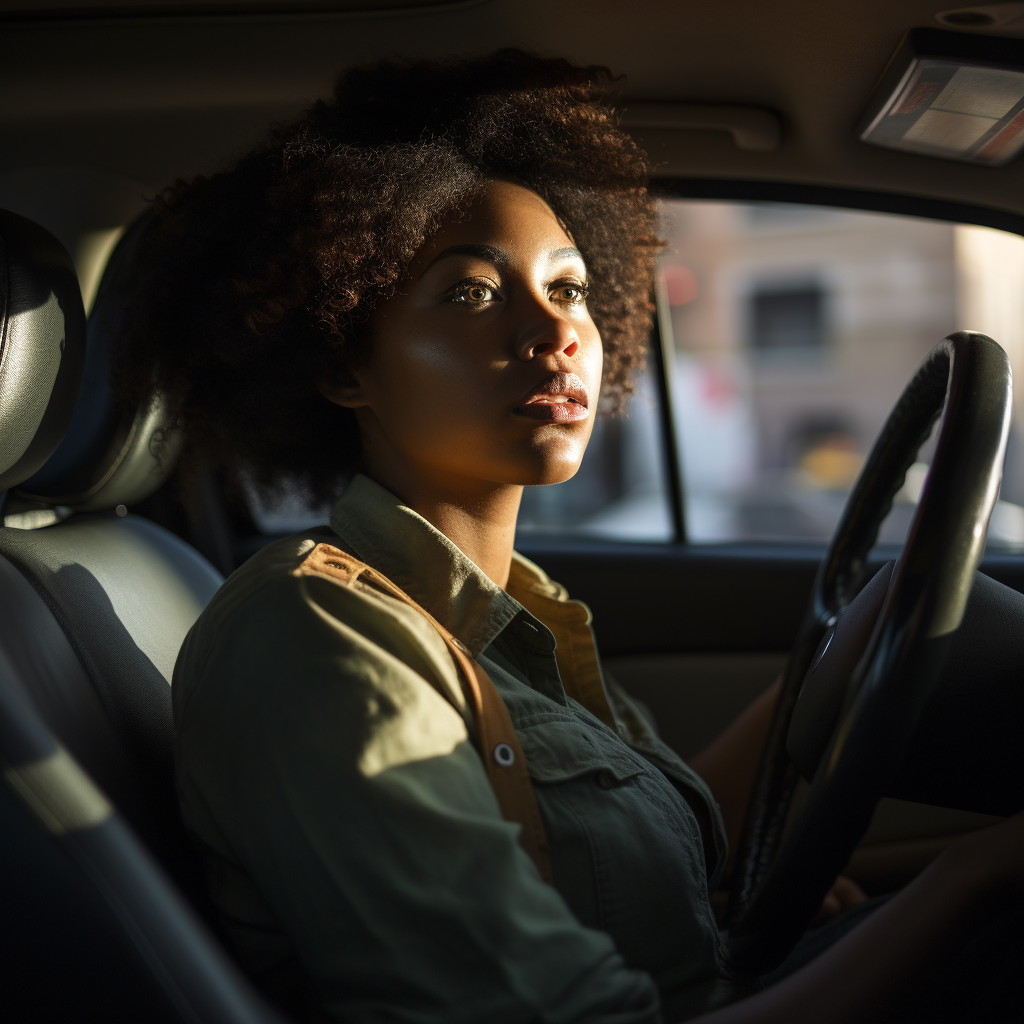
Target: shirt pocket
{"points": [[590, 791], [625, 847], [564, 750]]}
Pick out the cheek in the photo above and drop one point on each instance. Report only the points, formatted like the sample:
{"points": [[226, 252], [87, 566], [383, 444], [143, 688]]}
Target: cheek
{"points": [[445, 402], [425, 357], [591, 361], [428, 386]]}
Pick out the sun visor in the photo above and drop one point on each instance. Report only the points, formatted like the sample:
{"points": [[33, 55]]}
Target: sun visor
{"points": [[951, 95]]}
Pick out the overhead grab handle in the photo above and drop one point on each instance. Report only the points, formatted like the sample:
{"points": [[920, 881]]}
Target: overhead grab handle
{"points": [[750, 127]]}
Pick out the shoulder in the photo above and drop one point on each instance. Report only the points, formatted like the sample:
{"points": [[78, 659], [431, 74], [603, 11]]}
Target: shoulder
{"points": [[277, 617], [255, 579], [291, 680]]}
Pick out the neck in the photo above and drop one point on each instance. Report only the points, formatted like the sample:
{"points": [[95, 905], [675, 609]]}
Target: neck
{"points": [[478, 517], [483, 529]]}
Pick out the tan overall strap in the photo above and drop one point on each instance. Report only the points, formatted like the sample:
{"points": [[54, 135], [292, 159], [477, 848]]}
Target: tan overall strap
{"points": [[499, 746]]}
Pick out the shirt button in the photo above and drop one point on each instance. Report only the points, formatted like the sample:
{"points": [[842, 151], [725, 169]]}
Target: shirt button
{"points": [[606, 780]]}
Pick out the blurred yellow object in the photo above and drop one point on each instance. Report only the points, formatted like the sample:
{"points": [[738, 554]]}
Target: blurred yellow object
{"points": [[832, 464]]}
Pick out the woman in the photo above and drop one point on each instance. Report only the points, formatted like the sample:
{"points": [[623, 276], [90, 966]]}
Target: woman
{"points": [[419, 294]]}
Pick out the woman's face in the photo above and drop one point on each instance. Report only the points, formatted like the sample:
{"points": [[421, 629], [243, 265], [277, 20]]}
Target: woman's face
{"points": [[486, 366]]}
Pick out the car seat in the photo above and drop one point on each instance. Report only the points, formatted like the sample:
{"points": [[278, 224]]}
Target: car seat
{"points": [[94, 604]]}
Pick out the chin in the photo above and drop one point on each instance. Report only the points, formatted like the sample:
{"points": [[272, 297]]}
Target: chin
{"points": [[541, 460], [556, 475], [548, 471], [550, 459]]}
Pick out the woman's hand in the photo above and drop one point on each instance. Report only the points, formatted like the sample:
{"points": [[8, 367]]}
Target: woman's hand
{"points": [[880, 967], [845, 893]]}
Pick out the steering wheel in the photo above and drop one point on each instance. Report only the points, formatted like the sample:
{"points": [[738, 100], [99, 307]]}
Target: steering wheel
{"points": [[781, 879]]}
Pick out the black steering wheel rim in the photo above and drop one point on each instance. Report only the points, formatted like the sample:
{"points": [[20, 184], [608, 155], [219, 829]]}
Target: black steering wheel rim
{"points": [[779, 883]]}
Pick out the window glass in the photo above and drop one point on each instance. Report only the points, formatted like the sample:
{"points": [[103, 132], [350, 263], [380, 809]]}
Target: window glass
{"points": [[794, 330], [787, 317]]}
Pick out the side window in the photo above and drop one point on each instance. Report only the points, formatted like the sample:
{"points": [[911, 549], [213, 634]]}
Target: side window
{"points": [[794, 329]]}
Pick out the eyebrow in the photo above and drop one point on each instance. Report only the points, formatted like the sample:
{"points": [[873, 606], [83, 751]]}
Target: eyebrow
{"points": [[568, 253], [485, 252], [497, 256]]}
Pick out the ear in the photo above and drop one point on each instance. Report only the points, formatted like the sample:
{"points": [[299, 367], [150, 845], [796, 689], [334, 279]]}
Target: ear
{"points": [[348, 393]]}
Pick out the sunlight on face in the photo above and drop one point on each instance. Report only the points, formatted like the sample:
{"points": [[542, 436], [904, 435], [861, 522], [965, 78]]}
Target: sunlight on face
{"points": [[487, 365]]}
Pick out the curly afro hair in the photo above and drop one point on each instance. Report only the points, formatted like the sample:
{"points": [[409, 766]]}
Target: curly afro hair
{"points": [[259, 282]]}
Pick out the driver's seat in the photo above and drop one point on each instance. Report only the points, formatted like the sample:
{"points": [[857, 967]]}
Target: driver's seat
{"points": [[94, 604]]}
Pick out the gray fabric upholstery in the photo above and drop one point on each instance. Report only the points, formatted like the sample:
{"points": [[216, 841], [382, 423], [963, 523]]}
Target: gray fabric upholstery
{"points": [[93, 610], [42, 346], [48, 673]]}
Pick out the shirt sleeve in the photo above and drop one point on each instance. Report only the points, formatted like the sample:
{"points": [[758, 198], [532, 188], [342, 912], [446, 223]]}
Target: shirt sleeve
{"points": [[345, 787]]}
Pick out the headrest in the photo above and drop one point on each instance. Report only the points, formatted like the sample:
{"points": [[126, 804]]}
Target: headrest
{"points": [[42, 346], [108, 458]]}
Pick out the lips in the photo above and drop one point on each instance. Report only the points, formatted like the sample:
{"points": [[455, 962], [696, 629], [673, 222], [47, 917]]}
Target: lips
{"points": [[561, 398]]}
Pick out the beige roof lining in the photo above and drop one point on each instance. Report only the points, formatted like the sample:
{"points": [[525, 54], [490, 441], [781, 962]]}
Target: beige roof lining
{"points": [[46, 9], [153, 98]]}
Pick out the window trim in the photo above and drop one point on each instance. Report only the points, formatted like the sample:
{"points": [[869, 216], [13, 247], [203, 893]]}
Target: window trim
{"points": [[663, 349], [736, 190]]}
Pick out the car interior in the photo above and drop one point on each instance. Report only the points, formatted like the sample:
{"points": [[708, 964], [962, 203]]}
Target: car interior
{"points": [[802, 245]]}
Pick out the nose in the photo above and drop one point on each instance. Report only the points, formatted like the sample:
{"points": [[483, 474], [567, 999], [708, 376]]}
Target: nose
{"points": [[548, 334]]}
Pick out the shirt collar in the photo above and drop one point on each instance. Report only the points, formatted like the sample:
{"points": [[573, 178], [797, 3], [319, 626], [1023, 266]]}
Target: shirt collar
{"points": [[398, 542]]}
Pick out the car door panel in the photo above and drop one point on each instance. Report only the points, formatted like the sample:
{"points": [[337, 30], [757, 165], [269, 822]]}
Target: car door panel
{"points": [[702, 599], [696, 633]]}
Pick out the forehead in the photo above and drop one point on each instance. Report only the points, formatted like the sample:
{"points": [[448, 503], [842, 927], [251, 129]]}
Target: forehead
{"points": [[506, 216]]}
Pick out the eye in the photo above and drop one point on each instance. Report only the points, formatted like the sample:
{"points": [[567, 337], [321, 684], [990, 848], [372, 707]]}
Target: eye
{"points": [[571, 293], [473, 293]]}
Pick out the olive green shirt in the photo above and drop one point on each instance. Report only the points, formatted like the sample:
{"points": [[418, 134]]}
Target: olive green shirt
{"points": [[354, 847]]}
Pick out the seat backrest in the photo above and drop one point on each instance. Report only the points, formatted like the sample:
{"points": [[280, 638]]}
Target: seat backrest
{"points": [[93, 608], [115, 597], [123, 591]]}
